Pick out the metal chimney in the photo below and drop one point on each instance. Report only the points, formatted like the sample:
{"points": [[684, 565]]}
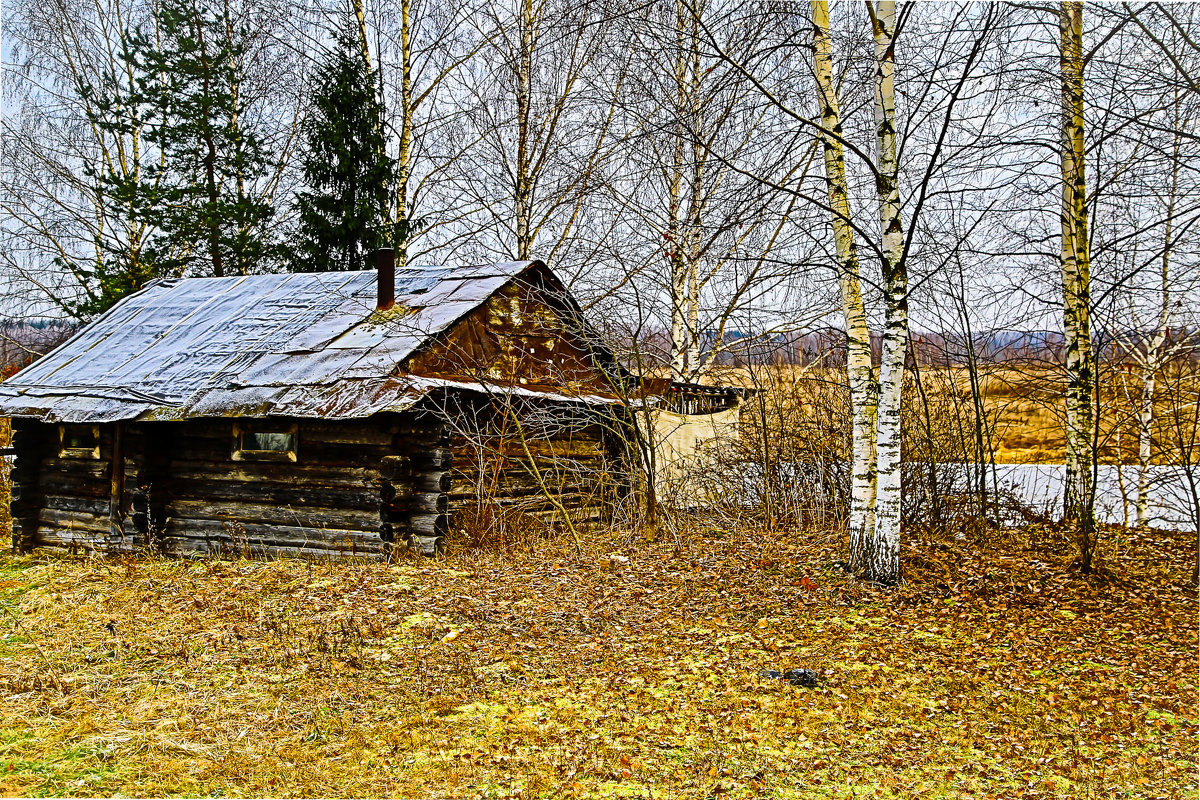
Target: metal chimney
{"points": [[385, 266]]}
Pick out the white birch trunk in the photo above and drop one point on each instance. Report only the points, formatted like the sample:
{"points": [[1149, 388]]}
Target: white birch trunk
{"points": [[361, 16], [882, 558], [1145, 421], [1156, 352], [685, 231], [404, 156], [675, 228], [1081, 375], [695, 216], [861, 379], [523, 196]]}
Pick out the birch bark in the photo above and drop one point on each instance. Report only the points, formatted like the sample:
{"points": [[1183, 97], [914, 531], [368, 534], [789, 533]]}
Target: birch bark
{"points": [[685, 227], [675, 235], [882, 559], [1156, 352], [404, 155], [695, 203], [864, 391], [1081, 374], [523, 198]]}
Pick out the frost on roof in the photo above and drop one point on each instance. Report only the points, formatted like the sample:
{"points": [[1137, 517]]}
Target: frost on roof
{"points": [[297, 344]]}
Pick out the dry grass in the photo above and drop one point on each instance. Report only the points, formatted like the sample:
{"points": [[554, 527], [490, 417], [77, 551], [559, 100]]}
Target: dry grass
{"points": [[995, 673], [1024, 403]]}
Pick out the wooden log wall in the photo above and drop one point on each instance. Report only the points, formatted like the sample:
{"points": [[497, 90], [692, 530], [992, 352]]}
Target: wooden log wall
{"points": [[32, 441], [512, 479], [357, 488], [416, 479], [65, 501], [327, 503]]}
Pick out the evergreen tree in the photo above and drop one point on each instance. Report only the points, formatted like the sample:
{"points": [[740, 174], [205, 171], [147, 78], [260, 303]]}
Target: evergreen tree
{"points": [[121, 262], [345, 214], [208, 218]]}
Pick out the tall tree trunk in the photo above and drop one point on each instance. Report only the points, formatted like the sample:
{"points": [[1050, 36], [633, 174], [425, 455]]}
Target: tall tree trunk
{"points": [[1155, 352], [235, 84], [882, 559], [360, 15], [695, 215], [1081, 373], [863, 389], [209, 160], [404, 157], [677, 238], [523, 196]]}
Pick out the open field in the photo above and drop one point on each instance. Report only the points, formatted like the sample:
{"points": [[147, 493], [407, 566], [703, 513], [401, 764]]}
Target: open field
{"points": [[1023, 405], [995, 672]]}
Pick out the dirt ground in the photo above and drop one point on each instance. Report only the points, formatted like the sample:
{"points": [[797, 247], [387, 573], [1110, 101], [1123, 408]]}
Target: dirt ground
{"points": [[556, 671]]}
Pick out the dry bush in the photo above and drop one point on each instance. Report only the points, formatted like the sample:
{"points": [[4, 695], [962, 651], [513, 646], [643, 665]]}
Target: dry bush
{"points": [[530, 474], [789, 468], [947, 446]]}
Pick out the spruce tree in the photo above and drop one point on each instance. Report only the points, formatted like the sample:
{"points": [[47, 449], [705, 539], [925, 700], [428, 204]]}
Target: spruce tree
{"points": [[344, 215], [208, 218]]}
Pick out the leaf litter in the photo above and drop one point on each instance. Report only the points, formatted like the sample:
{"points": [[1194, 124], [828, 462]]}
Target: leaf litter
{"points": [[557, 671]]}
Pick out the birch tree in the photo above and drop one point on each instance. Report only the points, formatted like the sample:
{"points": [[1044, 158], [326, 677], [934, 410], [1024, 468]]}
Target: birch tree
{"points": [[539, 99], [683, 228], [939, 153], [880, 559], [1076, 284], [700, 235], [864, 390]]}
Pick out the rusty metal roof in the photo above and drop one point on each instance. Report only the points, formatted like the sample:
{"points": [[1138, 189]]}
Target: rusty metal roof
{"points": [[296, 344]]}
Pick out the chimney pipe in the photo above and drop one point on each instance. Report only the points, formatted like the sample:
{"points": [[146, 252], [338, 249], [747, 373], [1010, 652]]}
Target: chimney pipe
{"points": [[385, 266]]}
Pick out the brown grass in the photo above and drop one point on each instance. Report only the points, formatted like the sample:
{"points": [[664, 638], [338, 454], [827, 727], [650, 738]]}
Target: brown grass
{"points": [[1025, 404], [994, 672]]}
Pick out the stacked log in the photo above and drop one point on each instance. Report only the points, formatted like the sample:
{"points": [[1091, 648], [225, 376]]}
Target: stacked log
{"points": [[326, 503], [419, 514], [31, 440], [543, 480]]}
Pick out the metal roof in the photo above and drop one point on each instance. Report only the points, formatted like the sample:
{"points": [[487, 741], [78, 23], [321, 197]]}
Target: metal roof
{"points": [[296, 344]]}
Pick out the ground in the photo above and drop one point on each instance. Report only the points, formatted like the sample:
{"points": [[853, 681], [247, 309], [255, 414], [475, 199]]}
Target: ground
{"points": [[557, 671]]}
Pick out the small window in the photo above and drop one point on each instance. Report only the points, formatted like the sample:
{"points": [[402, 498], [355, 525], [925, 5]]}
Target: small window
{"points": [[264, 442], [79, 441]]}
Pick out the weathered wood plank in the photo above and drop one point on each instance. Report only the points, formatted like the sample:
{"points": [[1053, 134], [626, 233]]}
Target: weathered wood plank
{"points": [[52, 519], [76, 467], [266, 472], [72, 539], [185, 532], [267, 551], [428, 524], [281, 515], [432, 482], [422, 503], [57, 483], [95, 506], [309, 431], [308, 494]]}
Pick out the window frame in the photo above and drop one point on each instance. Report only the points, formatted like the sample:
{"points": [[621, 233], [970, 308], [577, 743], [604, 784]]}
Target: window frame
{"points": [[243, 429], [89, 453]]}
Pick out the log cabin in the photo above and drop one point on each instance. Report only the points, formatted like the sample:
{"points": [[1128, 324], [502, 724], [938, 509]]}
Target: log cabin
{"points": [[317, 414]]}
